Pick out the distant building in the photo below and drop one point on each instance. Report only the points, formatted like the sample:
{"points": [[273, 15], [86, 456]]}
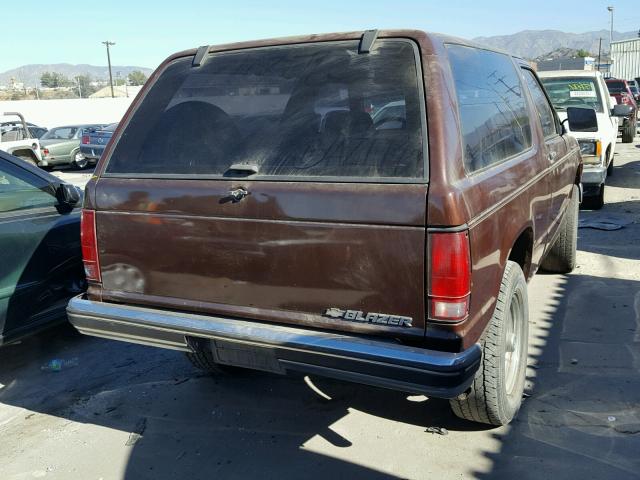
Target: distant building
{"points": [[625, 59], [15, 85], [567, 63]]}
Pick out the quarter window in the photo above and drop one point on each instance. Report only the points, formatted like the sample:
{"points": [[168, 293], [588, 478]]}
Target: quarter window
{"points": [[545, 113], [493, 112]]}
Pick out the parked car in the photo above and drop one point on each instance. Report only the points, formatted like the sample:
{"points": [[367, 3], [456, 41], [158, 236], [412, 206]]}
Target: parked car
{"points": [[34, 130], [225, 221], [40, 257], [94, 140], [620, 89], [633, 86], [16, 138], [61, 146], [587, 89]]}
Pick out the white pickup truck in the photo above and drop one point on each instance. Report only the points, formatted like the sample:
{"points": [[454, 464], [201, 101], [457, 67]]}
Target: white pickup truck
{"points": [[16, 138], [587, 89]]}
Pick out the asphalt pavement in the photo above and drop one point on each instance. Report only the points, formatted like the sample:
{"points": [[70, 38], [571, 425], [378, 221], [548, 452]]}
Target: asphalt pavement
{"points": [[133, 412]]}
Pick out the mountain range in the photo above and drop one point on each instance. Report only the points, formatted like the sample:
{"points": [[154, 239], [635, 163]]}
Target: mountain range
{"points": [[532, 44], [529, 44], [30, 74]]}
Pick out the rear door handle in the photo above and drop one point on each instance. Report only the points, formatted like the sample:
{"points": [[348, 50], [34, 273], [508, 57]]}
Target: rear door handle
{"points": [[553, 156]]}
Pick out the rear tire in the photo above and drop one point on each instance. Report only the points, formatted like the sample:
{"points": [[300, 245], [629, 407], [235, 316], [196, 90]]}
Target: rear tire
{"points": [[495, 395], [79, 160], [596, 202], [629, 133], [561, 257]]}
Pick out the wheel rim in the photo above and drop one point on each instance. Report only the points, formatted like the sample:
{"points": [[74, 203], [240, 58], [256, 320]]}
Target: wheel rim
{"points": [[80, 160], [513, 331]]}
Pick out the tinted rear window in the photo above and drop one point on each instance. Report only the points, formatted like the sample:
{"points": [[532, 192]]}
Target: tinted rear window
{"points": [[313, 110], [616, 87]]}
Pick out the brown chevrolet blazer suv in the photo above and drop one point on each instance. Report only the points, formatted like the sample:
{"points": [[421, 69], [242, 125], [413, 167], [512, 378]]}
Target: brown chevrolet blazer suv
{"points": [[363, 206]]}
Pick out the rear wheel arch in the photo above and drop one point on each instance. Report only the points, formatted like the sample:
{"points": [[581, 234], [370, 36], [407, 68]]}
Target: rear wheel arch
{"points": [[24, 152], [26, 155], [522, 250], [609, 163]]}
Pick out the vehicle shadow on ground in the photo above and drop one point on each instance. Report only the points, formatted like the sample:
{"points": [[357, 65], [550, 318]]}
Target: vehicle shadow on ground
{"points": [[184, 424], [625, 213], [625, 176], [582, 419]]}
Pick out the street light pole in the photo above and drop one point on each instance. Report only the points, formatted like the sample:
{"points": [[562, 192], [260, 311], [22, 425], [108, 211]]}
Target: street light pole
{"points": [[108, 44]]}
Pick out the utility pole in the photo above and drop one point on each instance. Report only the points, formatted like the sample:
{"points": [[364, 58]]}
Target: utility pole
{"points": [[610, 29], [599, 51], [108, 44]]}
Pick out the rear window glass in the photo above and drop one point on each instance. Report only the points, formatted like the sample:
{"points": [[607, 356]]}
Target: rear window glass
{"points": [[60, 133], [616, 87], [494, 115], [313, 110]]}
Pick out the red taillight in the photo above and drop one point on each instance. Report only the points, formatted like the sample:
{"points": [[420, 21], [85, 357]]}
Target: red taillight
{"points": [[85, 139], [89, 244], [45, 151], [625, 99], [450, 276]]}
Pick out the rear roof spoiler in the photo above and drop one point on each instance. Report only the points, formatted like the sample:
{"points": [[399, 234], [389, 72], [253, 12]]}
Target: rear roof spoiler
{"points": [[200, 58], [367, 40]]}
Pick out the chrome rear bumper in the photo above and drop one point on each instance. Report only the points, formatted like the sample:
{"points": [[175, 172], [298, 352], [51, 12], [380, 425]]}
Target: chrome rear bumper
{"points": [[349, 357]]}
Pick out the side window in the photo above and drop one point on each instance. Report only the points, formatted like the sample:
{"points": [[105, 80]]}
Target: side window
{"points": [[493, 112], [21, 190], [545, 113]]}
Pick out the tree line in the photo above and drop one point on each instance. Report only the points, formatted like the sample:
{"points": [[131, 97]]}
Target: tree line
{"points": [[84, 82]]}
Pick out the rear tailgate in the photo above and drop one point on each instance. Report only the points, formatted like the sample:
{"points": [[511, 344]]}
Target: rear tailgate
{"points": [[99, 138], [287, 253]]}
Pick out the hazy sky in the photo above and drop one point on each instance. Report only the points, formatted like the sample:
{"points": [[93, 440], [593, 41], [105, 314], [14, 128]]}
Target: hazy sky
{"points": [[146, 32]]}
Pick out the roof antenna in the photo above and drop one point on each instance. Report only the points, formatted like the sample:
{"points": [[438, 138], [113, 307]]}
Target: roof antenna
{"points": [[367, 40], [200, 58]]}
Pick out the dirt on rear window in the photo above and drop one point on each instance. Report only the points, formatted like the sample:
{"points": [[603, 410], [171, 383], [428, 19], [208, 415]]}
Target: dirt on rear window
{"points": [[313, 110]]}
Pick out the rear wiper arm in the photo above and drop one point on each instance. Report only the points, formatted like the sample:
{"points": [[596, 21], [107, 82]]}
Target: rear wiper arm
{"points": [[243, 167]]}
